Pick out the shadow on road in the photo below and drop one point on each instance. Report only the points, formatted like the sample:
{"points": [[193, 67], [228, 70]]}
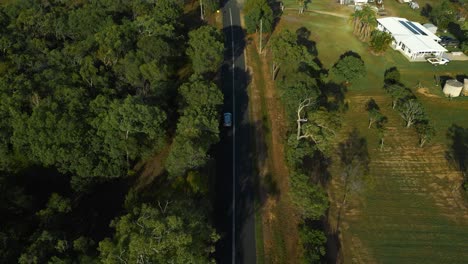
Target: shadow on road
{"points": [[239, 42], [234, 85]]}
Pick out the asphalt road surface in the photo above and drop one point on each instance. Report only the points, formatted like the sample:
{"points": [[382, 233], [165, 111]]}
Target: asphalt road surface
{"points": [[234, 203]]}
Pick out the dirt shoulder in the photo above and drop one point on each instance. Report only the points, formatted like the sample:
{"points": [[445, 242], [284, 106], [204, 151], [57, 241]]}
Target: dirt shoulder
{"points": [[279, 221]]}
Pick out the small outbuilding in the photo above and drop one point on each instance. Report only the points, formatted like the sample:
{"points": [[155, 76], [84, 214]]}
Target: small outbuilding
{"points": [[414, 5], [453, 88], [431, 27]]}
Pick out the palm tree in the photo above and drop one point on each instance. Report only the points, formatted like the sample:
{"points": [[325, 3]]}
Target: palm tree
{"points": [[380, 41], [302, 4], [364, 22]]}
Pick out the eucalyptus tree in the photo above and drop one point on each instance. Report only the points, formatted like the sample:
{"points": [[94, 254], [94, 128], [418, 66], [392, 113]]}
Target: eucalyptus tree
{"points": [[197, 127], [349, 67], [288, 54], [128, 129], [426, 132], [411, 111], [166, 232], [399, 94], [258, 12], [205, 49], [318, 125]]}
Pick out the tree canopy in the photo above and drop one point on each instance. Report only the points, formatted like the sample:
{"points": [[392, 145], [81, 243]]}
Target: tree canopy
{"points": [[256, 10], [205, 49], [349, 67], [91, 93], [442, 14], [380, 41], [159, 235]]}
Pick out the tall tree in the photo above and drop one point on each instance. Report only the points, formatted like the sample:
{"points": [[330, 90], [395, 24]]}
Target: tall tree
{"points": [[411, 111], [256, 10], [399, 94], [349, 67], [442, 14], [426, 132], [319, 126], [364, 22], [380, 41], [127, 130], [160, 235], [313, 242], [288, 54], [197, 128], [374, 114], [392, 76], [310, 199], [205, 49]]}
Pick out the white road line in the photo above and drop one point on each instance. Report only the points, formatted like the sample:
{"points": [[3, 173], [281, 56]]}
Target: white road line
{"points": [[233, 148]]}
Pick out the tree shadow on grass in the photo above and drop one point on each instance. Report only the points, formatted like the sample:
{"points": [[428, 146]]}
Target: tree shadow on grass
{"points": [[303, 35], [333, 96], [457, 153], [333, 242], [350, 53], [317, 167], [426, 10]]}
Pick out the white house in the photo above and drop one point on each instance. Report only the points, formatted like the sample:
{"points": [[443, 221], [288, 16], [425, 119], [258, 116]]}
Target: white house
{"points": [[411, 38]]}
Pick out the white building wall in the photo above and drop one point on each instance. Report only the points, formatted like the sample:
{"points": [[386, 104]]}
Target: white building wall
{"points": [[411, 55]]}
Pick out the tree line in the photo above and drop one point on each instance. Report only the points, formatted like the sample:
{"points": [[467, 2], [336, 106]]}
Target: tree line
{"points": [[313, 104], [409, 108], [89, 90], [293, 69]]}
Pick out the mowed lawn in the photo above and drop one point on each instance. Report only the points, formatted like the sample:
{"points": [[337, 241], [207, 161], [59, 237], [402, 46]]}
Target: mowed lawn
{"points": [[414, 213]]}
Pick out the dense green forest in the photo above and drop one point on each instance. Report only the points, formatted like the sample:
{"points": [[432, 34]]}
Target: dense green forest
{"points": [[89, 89]]}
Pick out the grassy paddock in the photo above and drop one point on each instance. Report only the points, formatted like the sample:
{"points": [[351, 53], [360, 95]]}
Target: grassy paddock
{"points": [[414, 213]]}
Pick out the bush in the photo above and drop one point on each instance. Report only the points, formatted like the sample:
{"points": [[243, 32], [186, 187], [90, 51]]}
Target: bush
{"points": [[464, 47]]}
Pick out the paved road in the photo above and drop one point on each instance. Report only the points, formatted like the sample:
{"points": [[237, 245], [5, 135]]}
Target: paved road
{"points": [[235, 152]]}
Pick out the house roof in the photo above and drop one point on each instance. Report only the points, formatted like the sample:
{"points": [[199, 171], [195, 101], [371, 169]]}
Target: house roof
{"points": [[429, 25], [416, 37], [420, 43]]}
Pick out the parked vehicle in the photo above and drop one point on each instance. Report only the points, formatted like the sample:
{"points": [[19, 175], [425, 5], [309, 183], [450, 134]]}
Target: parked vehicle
{"points": [[438, 61], [446, 41]]}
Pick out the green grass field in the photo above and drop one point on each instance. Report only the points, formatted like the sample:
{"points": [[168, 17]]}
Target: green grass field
{"points": [[414, 213]]}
